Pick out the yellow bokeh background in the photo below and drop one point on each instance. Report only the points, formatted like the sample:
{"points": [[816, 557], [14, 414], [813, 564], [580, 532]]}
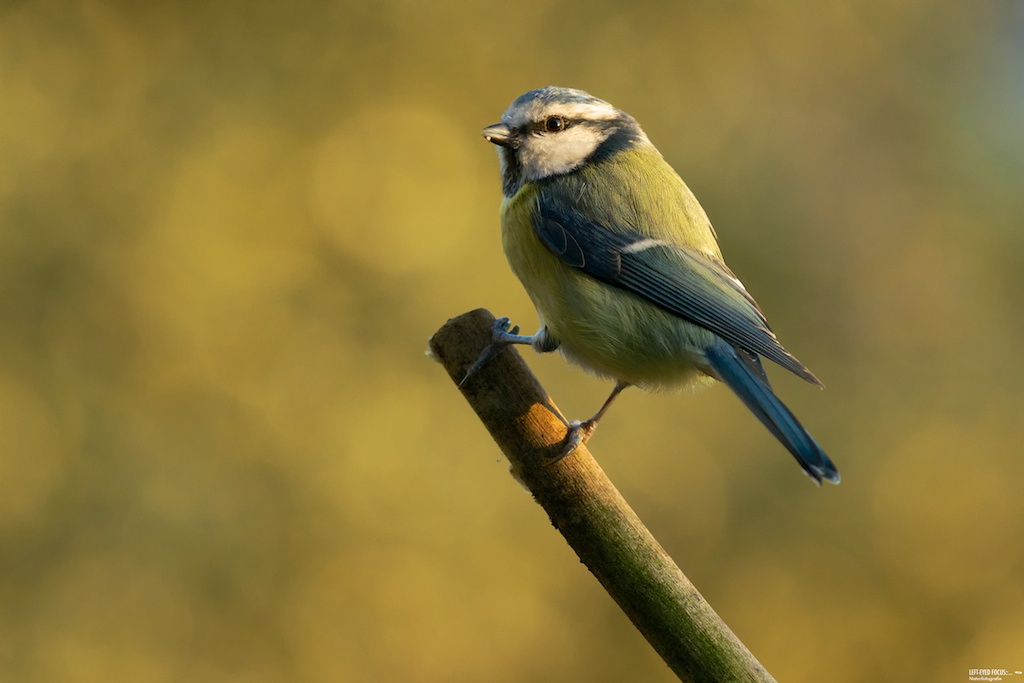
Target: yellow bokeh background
{"points": [[228, 229]]}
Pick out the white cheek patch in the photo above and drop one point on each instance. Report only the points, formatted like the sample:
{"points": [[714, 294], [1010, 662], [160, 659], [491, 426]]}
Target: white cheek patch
{"points": [[555, 153]]}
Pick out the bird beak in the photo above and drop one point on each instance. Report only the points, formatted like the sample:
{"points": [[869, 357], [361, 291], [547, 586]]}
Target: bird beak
{"points": [[499, 134]]}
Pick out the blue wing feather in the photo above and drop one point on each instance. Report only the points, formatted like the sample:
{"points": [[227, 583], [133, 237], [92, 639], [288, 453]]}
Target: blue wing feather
{"points": [[685, 282]]}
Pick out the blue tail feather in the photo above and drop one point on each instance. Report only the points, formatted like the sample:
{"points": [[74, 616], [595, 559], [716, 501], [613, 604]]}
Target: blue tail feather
{"points": [[734, 367]]}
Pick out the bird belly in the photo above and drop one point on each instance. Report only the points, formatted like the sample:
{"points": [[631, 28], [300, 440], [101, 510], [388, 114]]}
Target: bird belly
{"points": [[616, 334]]}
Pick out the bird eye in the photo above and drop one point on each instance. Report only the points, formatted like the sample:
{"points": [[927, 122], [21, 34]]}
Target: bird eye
{"points": [[554, 124]]}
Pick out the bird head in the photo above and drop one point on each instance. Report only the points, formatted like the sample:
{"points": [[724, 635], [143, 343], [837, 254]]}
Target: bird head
{"points": [[553, 131]]}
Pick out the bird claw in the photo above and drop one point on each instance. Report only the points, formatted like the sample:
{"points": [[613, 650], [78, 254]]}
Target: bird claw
{"points": [[501, 336], [485, 357], [579, 433], [500, 329]]}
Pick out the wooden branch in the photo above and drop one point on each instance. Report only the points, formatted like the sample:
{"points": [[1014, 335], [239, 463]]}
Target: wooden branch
{"points": [[590, 513]]}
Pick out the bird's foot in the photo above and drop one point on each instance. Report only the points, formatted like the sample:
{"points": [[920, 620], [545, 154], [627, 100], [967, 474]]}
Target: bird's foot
{"points": [[579, 433], [503, 333]]}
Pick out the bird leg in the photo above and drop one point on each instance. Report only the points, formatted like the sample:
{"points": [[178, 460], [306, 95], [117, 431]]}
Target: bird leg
{"points": [[502, 336], [580, 432]]}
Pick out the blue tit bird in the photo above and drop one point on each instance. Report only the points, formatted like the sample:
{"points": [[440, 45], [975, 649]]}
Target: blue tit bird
{"points": [[623, 266]]}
